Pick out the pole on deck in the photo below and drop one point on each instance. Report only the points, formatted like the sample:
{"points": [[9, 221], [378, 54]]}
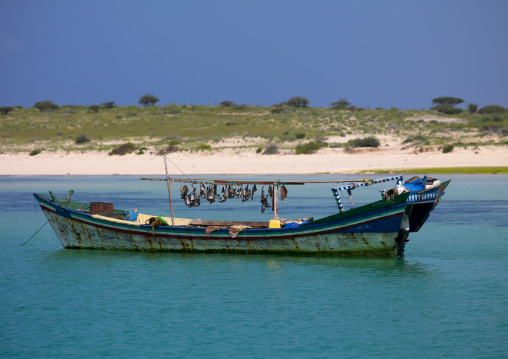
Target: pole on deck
{"points": [[169, 190], [275, 202]]}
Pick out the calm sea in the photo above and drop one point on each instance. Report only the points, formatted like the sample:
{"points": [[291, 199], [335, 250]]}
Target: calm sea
{"points": [[447, 298]]}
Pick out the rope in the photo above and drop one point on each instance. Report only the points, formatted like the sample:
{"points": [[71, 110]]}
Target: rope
{"points": [[35, 214], [177, 167], [34, 234]]}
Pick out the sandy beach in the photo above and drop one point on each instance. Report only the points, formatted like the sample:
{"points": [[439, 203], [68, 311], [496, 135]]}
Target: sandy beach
{"points": [[237, 161]]}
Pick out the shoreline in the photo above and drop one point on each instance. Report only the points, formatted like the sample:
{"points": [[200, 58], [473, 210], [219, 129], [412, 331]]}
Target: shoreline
{"points": [[227, 162]]}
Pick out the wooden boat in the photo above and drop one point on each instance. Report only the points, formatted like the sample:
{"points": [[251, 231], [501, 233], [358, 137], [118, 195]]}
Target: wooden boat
{"points": [[380, 228]]}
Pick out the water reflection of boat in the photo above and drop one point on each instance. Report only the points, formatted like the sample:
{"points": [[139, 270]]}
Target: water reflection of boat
{"points": [[379, 228]]}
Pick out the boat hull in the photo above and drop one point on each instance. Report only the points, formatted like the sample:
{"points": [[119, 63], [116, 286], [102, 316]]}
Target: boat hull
{"points": [[373, 230], [421, 204]]}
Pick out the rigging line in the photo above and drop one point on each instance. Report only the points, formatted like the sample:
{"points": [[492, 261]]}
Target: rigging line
{"points": [[35, 214], [177, 167], [34, 234]]}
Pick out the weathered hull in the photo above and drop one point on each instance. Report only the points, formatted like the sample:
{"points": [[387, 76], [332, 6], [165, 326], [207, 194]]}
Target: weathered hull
{"points": [[373, 230], [420, 204]]}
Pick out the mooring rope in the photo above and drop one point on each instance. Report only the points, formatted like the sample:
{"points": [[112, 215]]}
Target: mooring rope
{"points": [[34, 234], [35, 214]]}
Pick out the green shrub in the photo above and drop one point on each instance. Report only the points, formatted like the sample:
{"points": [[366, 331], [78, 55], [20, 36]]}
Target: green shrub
{"points": [[168, 149], [298, 101], [420, 138], [227, 103], [123, 149], [300, 135], [308, 148], [492, 109], [472, 108], [364, 142], [271, 149], [448, 148], [46, 106], [204, 147], [82, 139], [492, 118], [259, 149], [277, 110], [148, 100], [496, 129], [6, 110], [355, 109], [448, 110], [35, 152], [341, 104], [109, 104], [447, 101]]}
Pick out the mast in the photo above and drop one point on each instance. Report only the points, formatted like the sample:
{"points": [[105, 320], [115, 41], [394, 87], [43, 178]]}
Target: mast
{"points": [[275, 202], [169, 191]]}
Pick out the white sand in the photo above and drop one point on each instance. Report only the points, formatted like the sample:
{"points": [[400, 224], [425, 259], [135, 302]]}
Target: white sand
{"points": [[236, 161]]}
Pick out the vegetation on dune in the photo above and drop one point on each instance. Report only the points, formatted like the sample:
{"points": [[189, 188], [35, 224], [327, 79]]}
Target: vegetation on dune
{"points": [[341, 104], [109, 104], [168, 149], [449, 110], [492, 109], [6, 110], [448, 148], [447, 105], [364, 142], [472, 107], [148, 100], [271, 149], [308, 148], [298, 101], [203, 147], [447, 101], [187, 127], [94, 108], [46, 106], [82, 139], [124, 149], [227, 103]]}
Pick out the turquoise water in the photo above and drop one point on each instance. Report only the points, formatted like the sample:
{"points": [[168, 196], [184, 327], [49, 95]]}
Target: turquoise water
{"points": [[447, 298]]}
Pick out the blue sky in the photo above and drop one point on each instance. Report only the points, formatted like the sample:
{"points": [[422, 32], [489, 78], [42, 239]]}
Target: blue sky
{"points": [[373, 53]]}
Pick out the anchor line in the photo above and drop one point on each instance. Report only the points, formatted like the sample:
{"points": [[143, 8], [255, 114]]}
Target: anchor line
{"points": [[34, 234]]}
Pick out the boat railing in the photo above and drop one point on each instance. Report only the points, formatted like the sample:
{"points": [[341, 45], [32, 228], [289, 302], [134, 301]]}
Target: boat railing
{"points": [[351, 186]]}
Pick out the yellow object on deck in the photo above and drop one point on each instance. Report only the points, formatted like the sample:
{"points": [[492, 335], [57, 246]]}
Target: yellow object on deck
{"points": [[274, 223]]}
